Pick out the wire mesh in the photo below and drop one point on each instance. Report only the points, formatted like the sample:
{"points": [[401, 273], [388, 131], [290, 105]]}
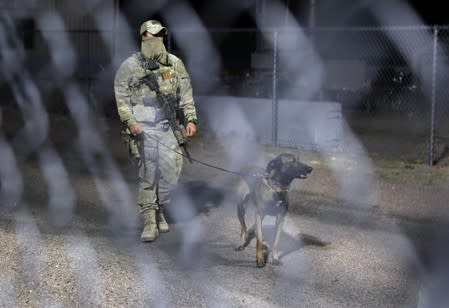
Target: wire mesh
{"points": [[382, 77]]}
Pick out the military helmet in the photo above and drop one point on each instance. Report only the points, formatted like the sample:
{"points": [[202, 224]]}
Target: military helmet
{"points": [[153, 26]]}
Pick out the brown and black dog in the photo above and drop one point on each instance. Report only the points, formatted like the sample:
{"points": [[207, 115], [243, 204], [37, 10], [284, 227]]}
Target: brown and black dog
{"points": [[269, 194]]}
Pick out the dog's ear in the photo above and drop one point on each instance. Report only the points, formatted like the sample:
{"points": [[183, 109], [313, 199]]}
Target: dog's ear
{"points": [[287, 158]]}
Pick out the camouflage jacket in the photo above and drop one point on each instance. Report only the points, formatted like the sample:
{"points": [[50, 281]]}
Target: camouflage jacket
{"points": [[131, 94]]}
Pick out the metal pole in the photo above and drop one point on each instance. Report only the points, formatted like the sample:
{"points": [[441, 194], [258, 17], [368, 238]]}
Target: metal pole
{"points": [[115, 20], [432, 112], [275, 98], [169, 42], [312, 7], [312, 21], [287, 12], [89, 103]]}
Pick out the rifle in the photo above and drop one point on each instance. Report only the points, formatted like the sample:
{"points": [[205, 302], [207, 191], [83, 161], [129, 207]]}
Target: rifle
{"points": [[168, 102], [135, 146]]}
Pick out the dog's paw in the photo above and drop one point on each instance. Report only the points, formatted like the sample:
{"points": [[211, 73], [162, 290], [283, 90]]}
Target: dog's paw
{"points": [[275, 261], [261, 258], [260, 262]]}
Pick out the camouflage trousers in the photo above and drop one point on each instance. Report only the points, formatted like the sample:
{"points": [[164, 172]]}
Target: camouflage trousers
{"points": [[161, 167]]}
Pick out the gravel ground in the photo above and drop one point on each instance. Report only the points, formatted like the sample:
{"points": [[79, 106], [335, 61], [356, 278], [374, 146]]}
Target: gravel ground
{"points": [[356, 235]]}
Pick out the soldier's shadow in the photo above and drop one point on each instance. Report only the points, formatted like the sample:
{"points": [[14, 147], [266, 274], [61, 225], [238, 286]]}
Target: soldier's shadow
{"points": [[192, 198]]}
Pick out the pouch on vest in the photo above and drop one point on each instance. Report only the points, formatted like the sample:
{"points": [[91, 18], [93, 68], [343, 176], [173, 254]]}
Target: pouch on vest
{"points": [[144, 113]]}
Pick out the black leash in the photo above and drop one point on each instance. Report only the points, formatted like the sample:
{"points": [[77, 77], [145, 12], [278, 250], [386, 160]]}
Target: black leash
{"points": [[191, 159]]}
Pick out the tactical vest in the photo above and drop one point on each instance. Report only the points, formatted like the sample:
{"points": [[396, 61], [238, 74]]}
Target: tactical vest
{"points": [[144, 104]]}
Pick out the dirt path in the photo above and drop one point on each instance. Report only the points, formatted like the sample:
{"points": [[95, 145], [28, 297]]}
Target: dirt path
{"points": [[384, 222]]}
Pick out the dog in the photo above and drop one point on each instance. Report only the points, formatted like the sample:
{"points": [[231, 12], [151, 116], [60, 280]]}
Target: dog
{"points": [[269, 194]]}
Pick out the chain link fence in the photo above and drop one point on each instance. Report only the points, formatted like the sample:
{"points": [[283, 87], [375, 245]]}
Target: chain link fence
{"points": [[399, 106], [390, 82]]}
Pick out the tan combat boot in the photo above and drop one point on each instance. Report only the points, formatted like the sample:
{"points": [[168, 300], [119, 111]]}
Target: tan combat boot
{"points": [[150, 231], [161, 222]]}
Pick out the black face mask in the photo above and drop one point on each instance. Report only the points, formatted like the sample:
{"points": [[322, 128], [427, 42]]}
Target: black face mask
{"points": [[153, 47]]}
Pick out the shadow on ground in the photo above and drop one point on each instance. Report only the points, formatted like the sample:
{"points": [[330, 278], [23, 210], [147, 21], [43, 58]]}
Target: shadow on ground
{"points": [[192, 198], [290, 243]]}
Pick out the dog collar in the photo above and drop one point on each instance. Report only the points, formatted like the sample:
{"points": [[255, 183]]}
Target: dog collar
{"points": [[272, 186]]}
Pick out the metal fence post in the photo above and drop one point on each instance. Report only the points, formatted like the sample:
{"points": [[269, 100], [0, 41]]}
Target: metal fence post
{"points": [[115, 28], [169, 42], [433, 102], [275, 98], [88, 68]]}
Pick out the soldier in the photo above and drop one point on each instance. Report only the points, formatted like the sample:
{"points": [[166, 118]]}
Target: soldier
{"points": [[140, 111]]}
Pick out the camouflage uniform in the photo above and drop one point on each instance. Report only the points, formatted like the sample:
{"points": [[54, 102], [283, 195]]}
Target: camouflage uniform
{"points": [[136, 103]]}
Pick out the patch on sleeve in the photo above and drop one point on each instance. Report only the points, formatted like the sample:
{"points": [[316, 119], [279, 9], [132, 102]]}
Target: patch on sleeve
{"points": [[166, 75]]}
